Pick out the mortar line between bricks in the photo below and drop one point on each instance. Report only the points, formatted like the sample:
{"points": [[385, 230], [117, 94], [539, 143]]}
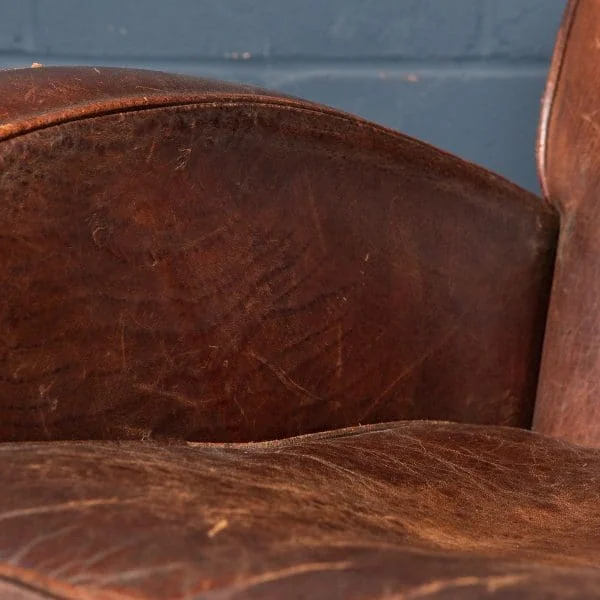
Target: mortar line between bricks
{"points": [[494, 67]]}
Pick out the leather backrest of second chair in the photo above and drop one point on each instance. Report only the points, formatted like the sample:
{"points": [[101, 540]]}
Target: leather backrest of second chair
{"points": [[568, 403]]}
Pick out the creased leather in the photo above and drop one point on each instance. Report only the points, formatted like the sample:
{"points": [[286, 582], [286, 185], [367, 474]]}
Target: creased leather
{"points": [[401, 510], [186, 261]]}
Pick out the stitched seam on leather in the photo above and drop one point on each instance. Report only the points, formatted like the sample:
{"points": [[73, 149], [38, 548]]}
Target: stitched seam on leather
{"points": [[233, 100], [136, 103]]}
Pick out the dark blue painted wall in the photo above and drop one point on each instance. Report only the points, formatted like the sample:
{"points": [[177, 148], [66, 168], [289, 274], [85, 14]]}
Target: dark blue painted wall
{"points": [[466, 75]]}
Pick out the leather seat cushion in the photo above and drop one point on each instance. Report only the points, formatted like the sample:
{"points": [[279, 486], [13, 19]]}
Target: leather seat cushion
{"points": [[401, 510]]}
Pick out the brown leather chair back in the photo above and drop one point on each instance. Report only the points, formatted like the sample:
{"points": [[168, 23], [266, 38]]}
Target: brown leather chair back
{"points": [[189, 259], [568, 404]]}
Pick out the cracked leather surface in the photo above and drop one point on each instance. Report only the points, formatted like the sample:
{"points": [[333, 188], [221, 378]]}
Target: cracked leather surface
{"points": [[401, 510], [193, 275]]}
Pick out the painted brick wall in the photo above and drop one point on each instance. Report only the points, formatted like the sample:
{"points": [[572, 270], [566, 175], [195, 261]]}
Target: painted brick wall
{"points": [[465, 75]]}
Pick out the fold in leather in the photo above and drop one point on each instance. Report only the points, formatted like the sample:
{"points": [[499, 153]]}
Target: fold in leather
{"points": [[405, 510]]}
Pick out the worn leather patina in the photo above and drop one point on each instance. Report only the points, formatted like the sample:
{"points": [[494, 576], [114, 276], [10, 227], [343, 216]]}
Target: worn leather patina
{"points": [[406, 510], [254, 347], [568, 399], [221, 265]]}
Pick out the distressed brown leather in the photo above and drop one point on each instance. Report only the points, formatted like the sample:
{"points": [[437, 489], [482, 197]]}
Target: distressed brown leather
{"points": [[405, 510], [196, 260], [186, 261], [568, 404]]}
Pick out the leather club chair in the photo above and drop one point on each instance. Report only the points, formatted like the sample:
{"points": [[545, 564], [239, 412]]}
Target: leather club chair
{"points": [[253, 347]]}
